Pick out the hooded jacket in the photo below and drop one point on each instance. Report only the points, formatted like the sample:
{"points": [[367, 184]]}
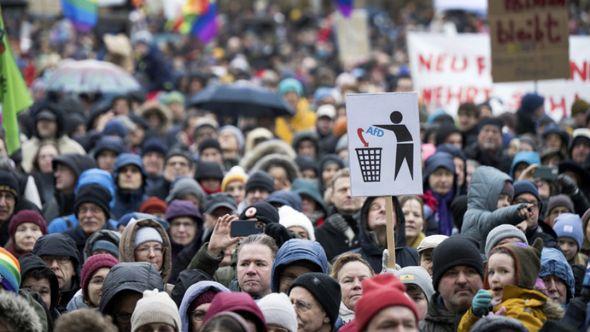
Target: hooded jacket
{"points": [[238, 302], [103, 234], [281, 160], [372, 252], [29, 263], [297, 250], [136, 276], [192, 293], [127, 246], [527, 157], [90, 176], [338, 234], [263, 149], [554, 263], [61, 245], [482, 199], [128, 200], [18, 314]]}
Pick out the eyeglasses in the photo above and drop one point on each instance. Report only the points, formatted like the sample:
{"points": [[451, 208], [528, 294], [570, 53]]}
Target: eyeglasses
{"points": [[146, 249], [93, 209], [522, 201]]}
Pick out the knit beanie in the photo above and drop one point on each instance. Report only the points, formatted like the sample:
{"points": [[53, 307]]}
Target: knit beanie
{"points": [[186, 186], [9, 183], [93, 264], [530, 102], [260, 180], [261, 211], [489, 122], [526, 187], [569, 225], [235, 173], [24, 216], [146, 234], [431, 242], [236, 132], [560, 200], [208, 170], [527, 261], [290, 217], [96, 194], [209, 143], [500, 233], [277, 310], [324, 289], [155, 307], [290, 85], [9, 271], [380, 292], [181, 208], [416, 275], [498, 323], [154, 144], [205, 297], [106, 245], [217, 200], [580, 106], [153, 205], [454, 251]]}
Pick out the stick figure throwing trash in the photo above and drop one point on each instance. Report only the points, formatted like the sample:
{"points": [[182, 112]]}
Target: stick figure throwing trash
{"points": [[405, 144]]}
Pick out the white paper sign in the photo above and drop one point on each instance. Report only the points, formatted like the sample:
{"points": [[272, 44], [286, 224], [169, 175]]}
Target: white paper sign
{"points": [[448, 70], [384, 144]]}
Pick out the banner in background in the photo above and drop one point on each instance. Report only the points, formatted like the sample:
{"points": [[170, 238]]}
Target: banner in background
{"points": [[527, 37], [450, 69], [353, 37], [479, 6]]}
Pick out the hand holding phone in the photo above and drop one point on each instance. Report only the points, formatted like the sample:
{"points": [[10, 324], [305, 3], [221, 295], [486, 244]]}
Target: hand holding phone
{"points": [[245, 227]]}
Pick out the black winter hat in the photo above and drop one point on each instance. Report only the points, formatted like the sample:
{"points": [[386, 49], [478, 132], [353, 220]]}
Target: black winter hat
{"points": [[154, 144], [260, 180], [490, 121], [9, 183], [209, 170], [324, 289], [57, 244], [454, 251], [209, 143], [78, 163], [262, 211], [93, 193]]}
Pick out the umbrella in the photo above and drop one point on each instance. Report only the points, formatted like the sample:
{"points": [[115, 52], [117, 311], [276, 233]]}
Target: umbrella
{"points": [[91, 76], [241, 99]]}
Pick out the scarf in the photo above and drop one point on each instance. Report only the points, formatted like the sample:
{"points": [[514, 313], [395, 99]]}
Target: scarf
{"points": [[445, 217]]}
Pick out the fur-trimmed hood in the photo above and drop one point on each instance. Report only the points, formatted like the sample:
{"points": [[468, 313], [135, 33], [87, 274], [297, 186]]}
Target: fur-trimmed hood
{"points": [[127, 247], [265, 148], [19, 314], [281, 160]]}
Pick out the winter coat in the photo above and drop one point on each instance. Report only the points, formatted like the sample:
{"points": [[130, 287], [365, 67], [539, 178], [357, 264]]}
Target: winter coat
{"points": [[482, 199], [498, 160], [338, 234], [16, 311], [136, 276], [273, 159], [373, 252], [186, 279], [439, 318], [297, 250], [273, 146], [304, 119], [127, 244], [77, 302], [531, 307], [30, 149], [208, 264], [192, 293]]}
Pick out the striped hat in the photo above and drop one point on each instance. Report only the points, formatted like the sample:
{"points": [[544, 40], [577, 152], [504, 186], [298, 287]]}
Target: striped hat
{"points": [[9, 271]]}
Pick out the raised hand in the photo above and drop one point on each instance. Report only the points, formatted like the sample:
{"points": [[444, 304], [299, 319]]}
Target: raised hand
{"points": [[220, 238]]}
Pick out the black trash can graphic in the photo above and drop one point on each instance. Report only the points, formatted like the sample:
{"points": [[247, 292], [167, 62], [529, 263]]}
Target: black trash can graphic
{"points": [[370, 163]]}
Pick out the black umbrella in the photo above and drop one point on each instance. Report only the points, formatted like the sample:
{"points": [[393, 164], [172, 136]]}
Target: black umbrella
{"points": [[241, 99]]}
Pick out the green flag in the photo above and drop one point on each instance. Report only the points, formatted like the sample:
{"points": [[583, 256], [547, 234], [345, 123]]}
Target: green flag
{"points": [[14, 95]]}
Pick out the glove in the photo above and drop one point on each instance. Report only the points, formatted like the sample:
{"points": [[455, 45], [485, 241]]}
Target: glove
{"points": [[480, 305], [567, 185], [278, 232]]}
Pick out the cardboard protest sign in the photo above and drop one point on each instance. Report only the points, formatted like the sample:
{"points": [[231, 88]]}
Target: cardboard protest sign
{"points": [[384, 144], [451, 69], [353, 37], [529, 40]]}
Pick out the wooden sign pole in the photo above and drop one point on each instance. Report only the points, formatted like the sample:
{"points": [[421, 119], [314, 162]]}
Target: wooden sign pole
{"points": [[390, 231]]}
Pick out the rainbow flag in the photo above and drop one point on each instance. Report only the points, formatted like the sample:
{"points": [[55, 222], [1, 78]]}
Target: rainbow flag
{"points": [[199, 19], [14, 95], [345, 7], [82, 13]]}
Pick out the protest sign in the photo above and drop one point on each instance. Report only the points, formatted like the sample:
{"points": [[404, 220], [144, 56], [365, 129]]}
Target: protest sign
{"points": [[384, 150], [451, 69], [353, 37], [479, 6], [529, 40], [384, 144]]}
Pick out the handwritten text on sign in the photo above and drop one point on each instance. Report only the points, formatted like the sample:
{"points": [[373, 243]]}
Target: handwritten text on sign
{"points": [[529, 39]]}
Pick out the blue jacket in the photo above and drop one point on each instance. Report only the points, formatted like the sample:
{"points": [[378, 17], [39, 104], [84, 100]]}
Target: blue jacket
{"points": [[191, 294], [527, 157], [297, 250]]}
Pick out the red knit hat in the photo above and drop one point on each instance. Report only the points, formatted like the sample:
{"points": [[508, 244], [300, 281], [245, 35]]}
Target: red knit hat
{"points": [[93, 264], [24, 216], [153, 204], [381, 291]]}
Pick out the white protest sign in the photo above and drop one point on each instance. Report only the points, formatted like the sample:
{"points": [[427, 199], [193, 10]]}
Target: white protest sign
{"points": [[450, 69], [384, 144]]}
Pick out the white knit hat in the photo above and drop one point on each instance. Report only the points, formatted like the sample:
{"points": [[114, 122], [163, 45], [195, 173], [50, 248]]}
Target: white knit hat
{"points": [[290, 217], [146, 234], [155, 307], [277, 310]]}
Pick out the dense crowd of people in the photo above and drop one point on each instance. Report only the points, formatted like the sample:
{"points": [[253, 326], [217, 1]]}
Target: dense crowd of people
{"points": [[119, 209]]}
